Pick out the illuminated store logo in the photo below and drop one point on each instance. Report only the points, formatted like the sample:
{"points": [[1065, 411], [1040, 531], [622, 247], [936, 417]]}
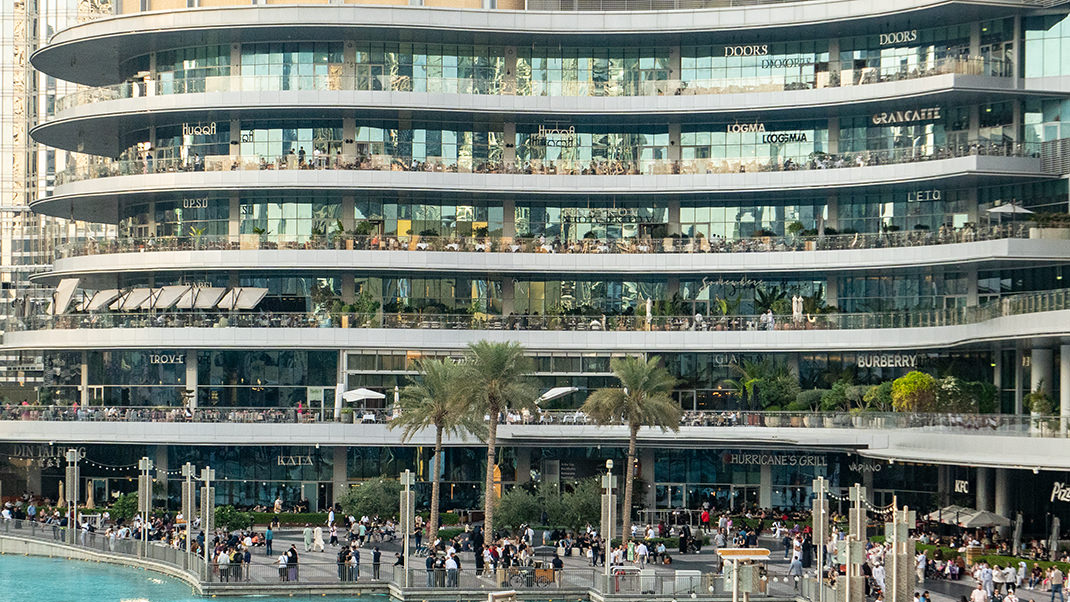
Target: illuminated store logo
{"points": [[894, 117], [925, 195], [1060, 492], [865, 467], [962, 486], [887, 360], [294, 460], [789, 63], [751, 50], [744, 128], [782, 137], [194, 203], [199, 129], [898, 37], [167, 358], [775, 460], [619, 215], [558, 137]]}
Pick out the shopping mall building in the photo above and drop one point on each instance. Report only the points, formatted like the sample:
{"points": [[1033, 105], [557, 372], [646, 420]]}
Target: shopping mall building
{"points": [[309, 197]]}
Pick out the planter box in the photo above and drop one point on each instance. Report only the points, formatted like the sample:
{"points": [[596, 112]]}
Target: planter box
{"points": [[1050, 233], [773, 421], [811, 421]]}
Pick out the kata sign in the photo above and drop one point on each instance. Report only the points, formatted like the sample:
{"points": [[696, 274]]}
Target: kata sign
{"points": [[908, 116]]}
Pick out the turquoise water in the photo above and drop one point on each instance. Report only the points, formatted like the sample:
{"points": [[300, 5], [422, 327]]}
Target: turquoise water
{"points": [[30, 579]]}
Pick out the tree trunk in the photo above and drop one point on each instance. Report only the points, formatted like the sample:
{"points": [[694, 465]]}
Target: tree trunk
{"points": [[436, 484], [488, 494], [629, 475]]}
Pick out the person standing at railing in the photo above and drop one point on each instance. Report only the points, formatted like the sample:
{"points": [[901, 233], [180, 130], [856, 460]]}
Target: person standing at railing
{"points": [[269, 536]]}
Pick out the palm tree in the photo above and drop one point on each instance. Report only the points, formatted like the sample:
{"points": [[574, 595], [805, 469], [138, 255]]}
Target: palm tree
{"points": [[497, 381], [435, 400], [645, 399]]}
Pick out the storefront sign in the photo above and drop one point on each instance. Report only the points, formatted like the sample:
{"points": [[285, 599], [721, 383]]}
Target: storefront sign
{"points": [[962, 486], [558, 137], [36, 452], [775, 460], [1060, 492], [783, 137], [887, 360], [786, 63], [865, 466], [925, 195], [908, 116], [199, 129], [294, 460], [744, 128], [750, 50], [898, 37], [195, 203], [617, 215], [167, 358]]}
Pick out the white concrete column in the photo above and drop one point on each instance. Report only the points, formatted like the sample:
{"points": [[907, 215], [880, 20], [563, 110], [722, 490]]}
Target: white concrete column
{"points": [[1003, 492], [160, 461], [508, 295], [339, 472], [867, 482], [235, 138], [972, 293], [975, 38], [674, 216], [646, 465], [349, 212], [674, 142], [982, 489], [765, 486], [509, 139], [192, 376], [349, 137], [509, 82], [1040, 369], [235, 62], [508, 218], [834, 135], [83, 387], [1064, 385], [832, 290], [975, 123], [834, 57], [523, 465], [234, 217]]}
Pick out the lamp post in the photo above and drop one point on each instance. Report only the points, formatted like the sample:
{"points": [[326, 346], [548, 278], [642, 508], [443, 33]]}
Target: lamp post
{"points": [[408, 508], [608, 501], [189, 507], [207, 513], [144, 499], [72, 477], [820, 522]]}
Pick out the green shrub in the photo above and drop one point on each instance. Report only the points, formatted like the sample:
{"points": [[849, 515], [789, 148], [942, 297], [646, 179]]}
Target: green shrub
{"points": [[292, 518], [232, 519], [914, 392], [375, 497], [807, 401]]}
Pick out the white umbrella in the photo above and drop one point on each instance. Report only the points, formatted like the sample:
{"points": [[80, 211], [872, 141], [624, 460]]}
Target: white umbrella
{"points": [[984, 518], [361, 394], [1008, 208], [554, 393]]}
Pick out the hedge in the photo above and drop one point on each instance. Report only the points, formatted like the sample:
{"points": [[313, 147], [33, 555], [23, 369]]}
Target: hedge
{"points": [[947, 553]]}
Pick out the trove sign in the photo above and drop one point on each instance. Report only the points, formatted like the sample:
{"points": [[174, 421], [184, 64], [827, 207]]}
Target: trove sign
{"points": [[887, 360], [908, 116], [775, 460], [167, 358]]}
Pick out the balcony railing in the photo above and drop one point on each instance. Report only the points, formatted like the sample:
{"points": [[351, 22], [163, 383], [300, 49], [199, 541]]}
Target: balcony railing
{"points": [[979, 424], [846, 76], [104, 168], [471, 244], [1012, 305]]}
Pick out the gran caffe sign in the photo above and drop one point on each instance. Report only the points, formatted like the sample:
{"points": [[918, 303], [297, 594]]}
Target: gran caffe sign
{"points": [[906, 116]]}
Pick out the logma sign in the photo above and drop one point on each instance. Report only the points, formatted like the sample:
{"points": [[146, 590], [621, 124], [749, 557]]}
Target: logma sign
{"points": [[767, 138], [887, 360]]}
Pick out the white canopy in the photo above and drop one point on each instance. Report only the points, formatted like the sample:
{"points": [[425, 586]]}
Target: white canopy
{"points": [[133, 299], [200, 298], [556, 392], [101, 299], [361, 394], [242, 298], [64, 293], [984, 518], [169, 295], [150, 301]]}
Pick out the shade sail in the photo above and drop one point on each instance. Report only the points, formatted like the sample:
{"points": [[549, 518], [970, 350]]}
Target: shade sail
{"points": [[63, 295], [556, 392], [169, 296], [246, 297], [133, 299], [1009, 208], [101, 299]]}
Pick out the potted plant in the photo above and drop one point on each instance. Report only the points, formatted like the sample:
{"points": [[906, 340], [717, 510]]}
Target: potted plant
{"points": [[1040, 407], [338, 234], [348, 416], [1051, 226]]}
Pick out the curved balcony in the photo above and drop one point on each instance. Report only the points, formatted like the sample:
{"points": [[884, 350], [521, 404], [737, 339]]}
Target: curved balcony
{"points": [[92, 53], [89, 192], [1006, 245], [1015, 317]]}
